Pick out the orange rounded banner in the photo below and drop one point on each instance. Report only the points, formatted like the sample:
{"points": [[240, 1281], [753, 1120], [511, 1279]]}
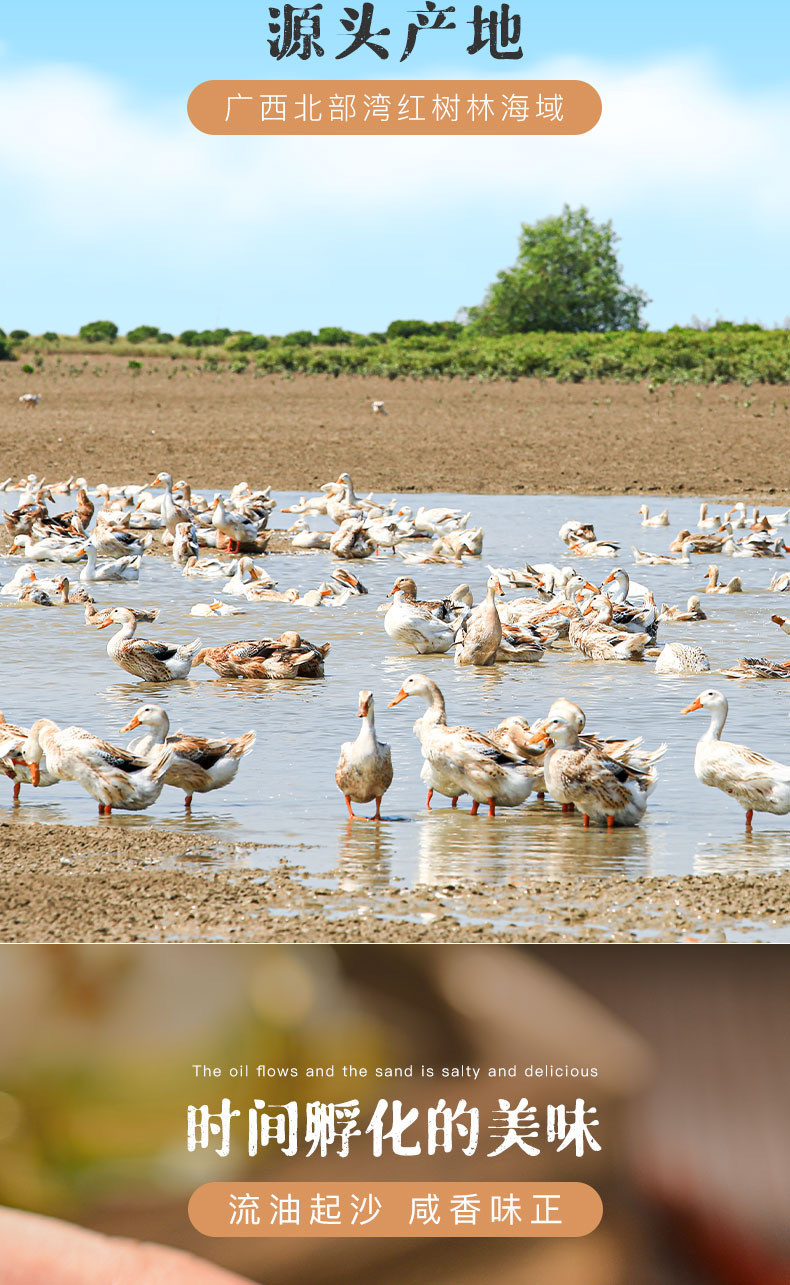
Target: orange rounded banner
{"points": [[342, 1209], [379, 107]]}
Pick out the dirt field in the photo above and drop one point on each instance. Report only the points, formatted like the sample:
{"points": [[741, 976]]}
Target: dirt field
{"points": [[101, 884], [99, 419]]}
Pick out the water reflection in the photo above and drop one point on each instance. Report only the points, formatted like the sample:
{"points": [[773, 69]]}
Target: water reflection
{"points": [[285, 794]]}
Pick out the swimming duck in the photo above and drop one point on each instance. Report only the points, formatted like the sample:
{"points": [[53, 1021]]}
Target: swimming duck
{"points": [[759, 784], [154, 662], [364, 769], [417, 626], [660, 519], [713, 586], [127, 568], [693, 611], [288, 656], [200, 764], [664, 559], [680, 658]]}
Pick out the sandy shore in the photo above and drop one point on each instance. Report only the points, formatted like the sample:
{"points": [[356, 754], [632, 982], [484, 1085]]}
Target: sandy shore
{"points": [[102, 884], [99, 419]]}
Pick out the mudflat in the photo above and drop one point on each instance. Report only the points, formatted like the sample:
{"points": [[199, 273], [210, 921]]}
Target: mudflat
{"points": [[100, 419], [102, 883]]}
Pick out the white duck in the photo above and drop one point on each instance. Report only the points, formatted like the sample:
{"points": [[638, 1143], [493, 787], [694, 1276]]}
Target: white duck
{"points": [[681, 658], [759, 784], [660, 519], [364, 769], [582, 774], [119, 569], [113, 776], [415, 626], [154, 662], [459, 760], [200, 764], [49, 549]]}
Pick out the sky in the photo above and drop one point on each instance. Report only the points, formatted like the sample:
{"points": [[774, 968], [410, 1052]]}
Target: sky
{"points": [[115, 207]]}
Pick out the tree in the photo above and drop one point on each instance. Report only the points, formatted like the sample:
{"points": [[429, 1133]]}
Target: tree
{"points": [[141, 333], [567, 278], [99, 331]]}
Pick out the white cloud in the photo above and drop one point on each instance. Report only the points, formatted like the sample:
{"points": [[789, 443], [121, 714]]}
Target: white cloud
{"points": [[671, 136]]}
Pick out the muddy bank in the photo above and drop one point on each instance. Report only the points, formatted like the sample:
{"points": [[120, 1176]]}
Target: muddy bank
{"points": [[102, 884], [100, 419]]}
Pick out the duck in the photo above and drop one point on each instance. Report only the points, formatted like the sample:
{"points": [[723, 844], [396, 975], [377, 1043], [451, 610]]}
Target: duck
{"points": [[127, 568], [72, 597], [596, 639], [466, 540], [700, 541], [635, 620], [236, 529], [216, 609], [342, 502], [693, 611], [664, 559], [782, 622], [602, 788], [98, 617], [238, 587], [416, 626], [706, 523], [595, 549], [758, 667], [623, 587], [351, 540], [303, 538], [460, 760], [22, 576], [50, 549], [480, 634], [780, 582], [364, 769], [680, 658], [208, 568], [154, 662], [660, 519], [200, 764], [12, 760], [185, 543], [751, 548], [289, 656], [112, 776], [759, 784], [170, 512], [116, 542], [733, 586]]}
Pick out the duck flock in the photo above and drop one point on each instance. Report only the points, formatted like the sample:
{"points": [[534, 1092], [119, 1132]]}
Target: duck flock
{"points": [[101, 536]]}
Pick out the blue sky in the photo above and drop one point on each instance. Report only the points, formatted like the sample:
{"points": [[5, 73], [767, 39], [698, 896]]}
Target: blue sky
{"points": [[115, 207]]}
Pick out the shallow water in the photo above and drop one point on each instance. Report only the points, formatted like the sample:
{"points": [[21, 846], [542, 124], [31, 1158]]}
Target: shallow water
{"points": [[285, 793]]}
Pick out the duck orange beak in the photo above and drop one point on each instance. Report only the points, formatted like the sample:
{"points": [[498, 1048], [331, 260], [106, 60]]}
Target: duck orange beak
{"points": [[35, 774], [537, 738], [401, 696], [130, 726], [362, 712], [106, 624], [697, 704], [609, 578]]}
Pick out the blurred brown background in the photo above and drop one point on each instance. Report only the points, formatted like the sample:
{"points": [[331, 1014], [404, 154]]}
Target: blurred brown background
{"points": [[97, 1044]]}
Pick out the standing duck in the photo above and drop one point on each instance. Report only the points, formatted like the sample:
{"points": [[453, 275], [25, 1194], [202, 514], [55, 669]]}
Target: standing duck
{"points": [[460, 760], [112, 776], [600, 787], [199, 764], [364, 770], [759, 784], [481, 633]]}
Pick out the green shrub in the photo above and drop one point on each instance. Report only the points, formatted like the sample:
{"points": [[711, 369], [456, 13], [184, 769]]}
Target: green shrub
{"points": [[99, 332], [19, 334], [141, 333]]}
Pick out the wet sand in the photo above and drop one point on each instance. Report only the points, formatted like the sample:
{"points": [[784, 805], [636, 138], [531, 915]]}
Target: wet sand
{"points": [[99, 419], [101, 884]]}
